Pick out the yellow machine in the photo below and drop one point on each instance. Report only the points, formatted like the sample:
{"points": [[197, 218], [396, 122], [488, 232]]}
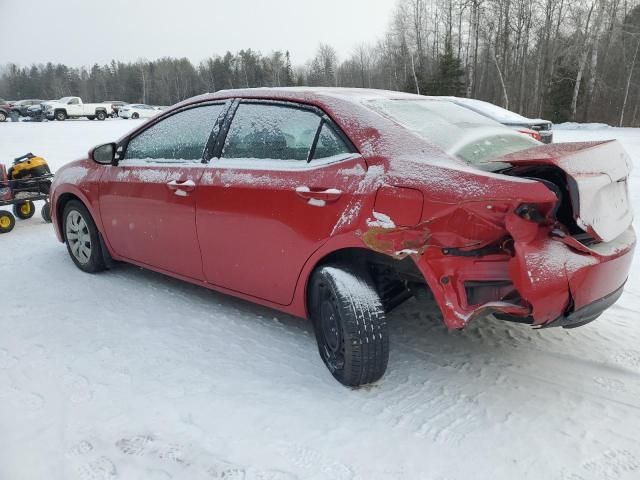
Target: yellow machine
{"points": [[28, 180], [27, 167]]}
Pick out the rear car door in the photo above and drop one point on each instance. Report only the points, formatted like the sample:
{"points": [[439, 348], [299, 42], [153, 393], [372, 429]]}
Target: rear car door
{"points": [[283, 178], [147, 201]]}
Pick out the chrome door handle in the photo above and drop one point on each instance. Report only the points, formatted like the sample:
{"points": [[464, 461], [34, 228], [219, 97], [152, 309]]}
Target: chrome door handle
{"points": [[181, 188], [318, 197]]}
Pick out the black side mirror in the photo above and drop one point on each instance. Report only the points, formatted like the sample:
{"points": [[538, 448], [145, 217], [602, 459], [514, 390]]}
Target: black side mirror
{"points": [[103, 154]]}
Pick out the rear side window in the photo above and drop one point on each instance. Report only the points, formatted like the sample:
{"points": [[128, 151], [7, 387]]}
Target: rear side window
{"points": [[271, 132], [180, 137], [329, 144]]}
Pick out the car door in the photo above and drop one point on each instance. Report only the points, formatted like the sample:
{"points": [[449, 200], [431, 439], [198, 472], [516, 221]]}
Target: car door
{"points": [[147, 201], [74, 108], [268, 201]]}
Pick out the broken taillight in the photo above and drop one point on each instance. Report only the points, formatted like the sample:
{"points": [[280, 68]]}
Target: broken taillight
{"points": [[530, 212], [532, 133]]}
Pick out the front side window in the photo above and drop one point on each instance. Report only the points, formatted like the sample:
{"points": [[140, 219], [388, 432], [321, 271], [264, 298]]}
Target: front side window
{"points": [[73, 101], [178, 138], [275, 132]]}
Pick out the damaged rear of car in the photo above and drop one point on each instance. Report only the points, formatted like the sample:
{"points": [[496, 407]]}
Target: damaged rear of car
{"points": [[532, 233], [358, 200]]}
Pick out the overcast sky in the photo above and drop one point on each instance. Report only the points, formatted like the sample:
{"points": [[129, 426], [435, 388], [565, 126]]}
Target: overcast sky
{"points": [[82, 32]]}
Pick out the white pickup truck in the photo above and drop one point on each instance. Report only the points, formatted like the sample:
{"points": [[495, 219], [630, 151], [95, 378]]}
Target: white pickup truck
{"points": [[72, 107]]}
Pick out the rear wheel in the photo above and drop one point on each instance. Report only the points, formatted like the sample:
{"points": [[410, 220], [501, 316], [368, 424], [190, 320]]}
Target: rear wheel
{"points": [[3, 116], [24, 210], [7, 221], [91, 117], [82, 238], [350, 325], [135, 116], [101, 115], [46, 212]]}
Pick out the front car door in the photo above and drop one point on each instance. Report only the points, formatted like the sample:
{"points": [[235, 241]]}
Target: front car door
{"points": [[74, 108], [147, 201], [280, 187]]}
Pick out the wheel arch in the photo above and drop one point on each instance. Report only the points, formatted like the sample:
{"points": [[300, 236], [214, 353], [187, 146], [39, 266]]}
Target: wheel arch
{"points": [[379, 266], [61, 200]]}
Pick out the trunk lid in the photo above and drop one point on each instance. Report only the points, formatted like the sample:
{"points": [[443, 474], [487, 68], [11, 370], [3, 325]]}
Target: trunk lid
{"points": [[597, 180]]}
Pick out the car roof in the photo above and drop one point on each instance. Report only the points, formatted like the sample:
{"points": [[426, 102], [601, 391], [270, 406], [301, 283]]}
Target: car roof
{"points": [[303, 93]]}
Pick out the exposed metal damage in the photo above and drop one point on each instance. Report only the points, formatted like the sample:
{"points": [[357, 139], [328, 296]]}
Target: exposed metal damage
{"points": [[523, 259]]}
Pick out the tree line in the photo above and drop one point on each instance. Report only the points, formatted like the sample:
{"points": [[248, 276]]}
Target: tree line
{"points": [[563, 60]]}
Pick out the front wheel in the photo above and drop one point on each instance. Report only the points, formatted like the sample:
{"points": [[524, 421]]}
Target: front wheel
{"points": [[82, 238], [135, 116], [350, 325], [3, 117], [61, 115]]}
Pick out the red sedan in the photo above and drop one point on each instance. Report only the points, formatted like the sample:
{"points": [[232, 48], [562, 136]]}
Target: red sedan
{"points": [[340, 204]]}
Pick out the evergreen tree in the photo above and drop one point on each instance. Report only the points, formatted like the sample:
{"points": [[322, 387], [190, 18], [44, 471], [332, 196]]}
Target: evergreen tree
{"points": [[289, 79], [557, 107], [449, 77]]}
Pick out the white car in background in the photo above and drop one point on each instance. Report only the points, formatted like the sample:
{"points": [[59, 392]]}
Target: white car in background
{"points": [[138, 110], [541, 130]]}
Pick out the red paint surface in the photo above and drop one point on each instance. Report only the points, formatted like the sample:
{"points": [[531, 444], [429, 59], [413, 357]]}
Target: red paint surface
{"points": [[251, 234]]}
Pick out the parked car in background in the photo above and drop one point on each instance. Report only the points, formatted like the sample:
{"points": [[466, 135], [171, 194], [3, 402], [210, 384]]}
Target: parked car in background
{"points": [[22, 106], [537, 128], [73, 107], [138, 110], [36, 113], [340, 204], [115, 106], [5, 110]]}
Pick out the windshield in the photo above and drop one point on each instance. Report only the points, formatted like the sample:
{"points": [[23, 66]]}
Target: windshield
{"points": [[65, 99], [461, 132]]}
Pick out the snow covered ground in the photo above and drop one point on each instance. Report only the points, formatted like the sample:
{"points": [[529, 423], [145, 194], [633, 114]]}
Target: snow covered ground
{"points": [[132, 375]]}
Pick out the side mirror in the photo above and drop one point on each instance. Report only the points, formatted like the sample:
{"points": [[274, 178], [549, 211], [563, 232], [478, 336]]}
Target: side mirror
{"points": [[103, 154]]}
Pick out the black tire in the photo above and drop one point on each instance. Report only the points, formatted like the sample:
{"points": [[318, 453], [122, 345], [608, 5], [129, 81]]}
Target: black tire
{"points": [[100, 115], [135, 116], [61, 115], [350, 324], [91, 117], [89, 240], [24, 210], [7, 221], [3, 117], [45, 211]]}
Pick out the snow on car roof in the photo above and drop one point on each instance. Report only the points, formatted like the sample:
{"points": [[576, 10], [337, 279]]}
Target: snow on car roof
{"points": [[301, 93]]}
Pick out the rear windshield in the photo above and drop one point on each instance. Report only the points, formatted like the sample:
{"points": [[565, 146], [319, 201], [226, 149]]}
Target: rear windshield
{"points": [[459, 131]]}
